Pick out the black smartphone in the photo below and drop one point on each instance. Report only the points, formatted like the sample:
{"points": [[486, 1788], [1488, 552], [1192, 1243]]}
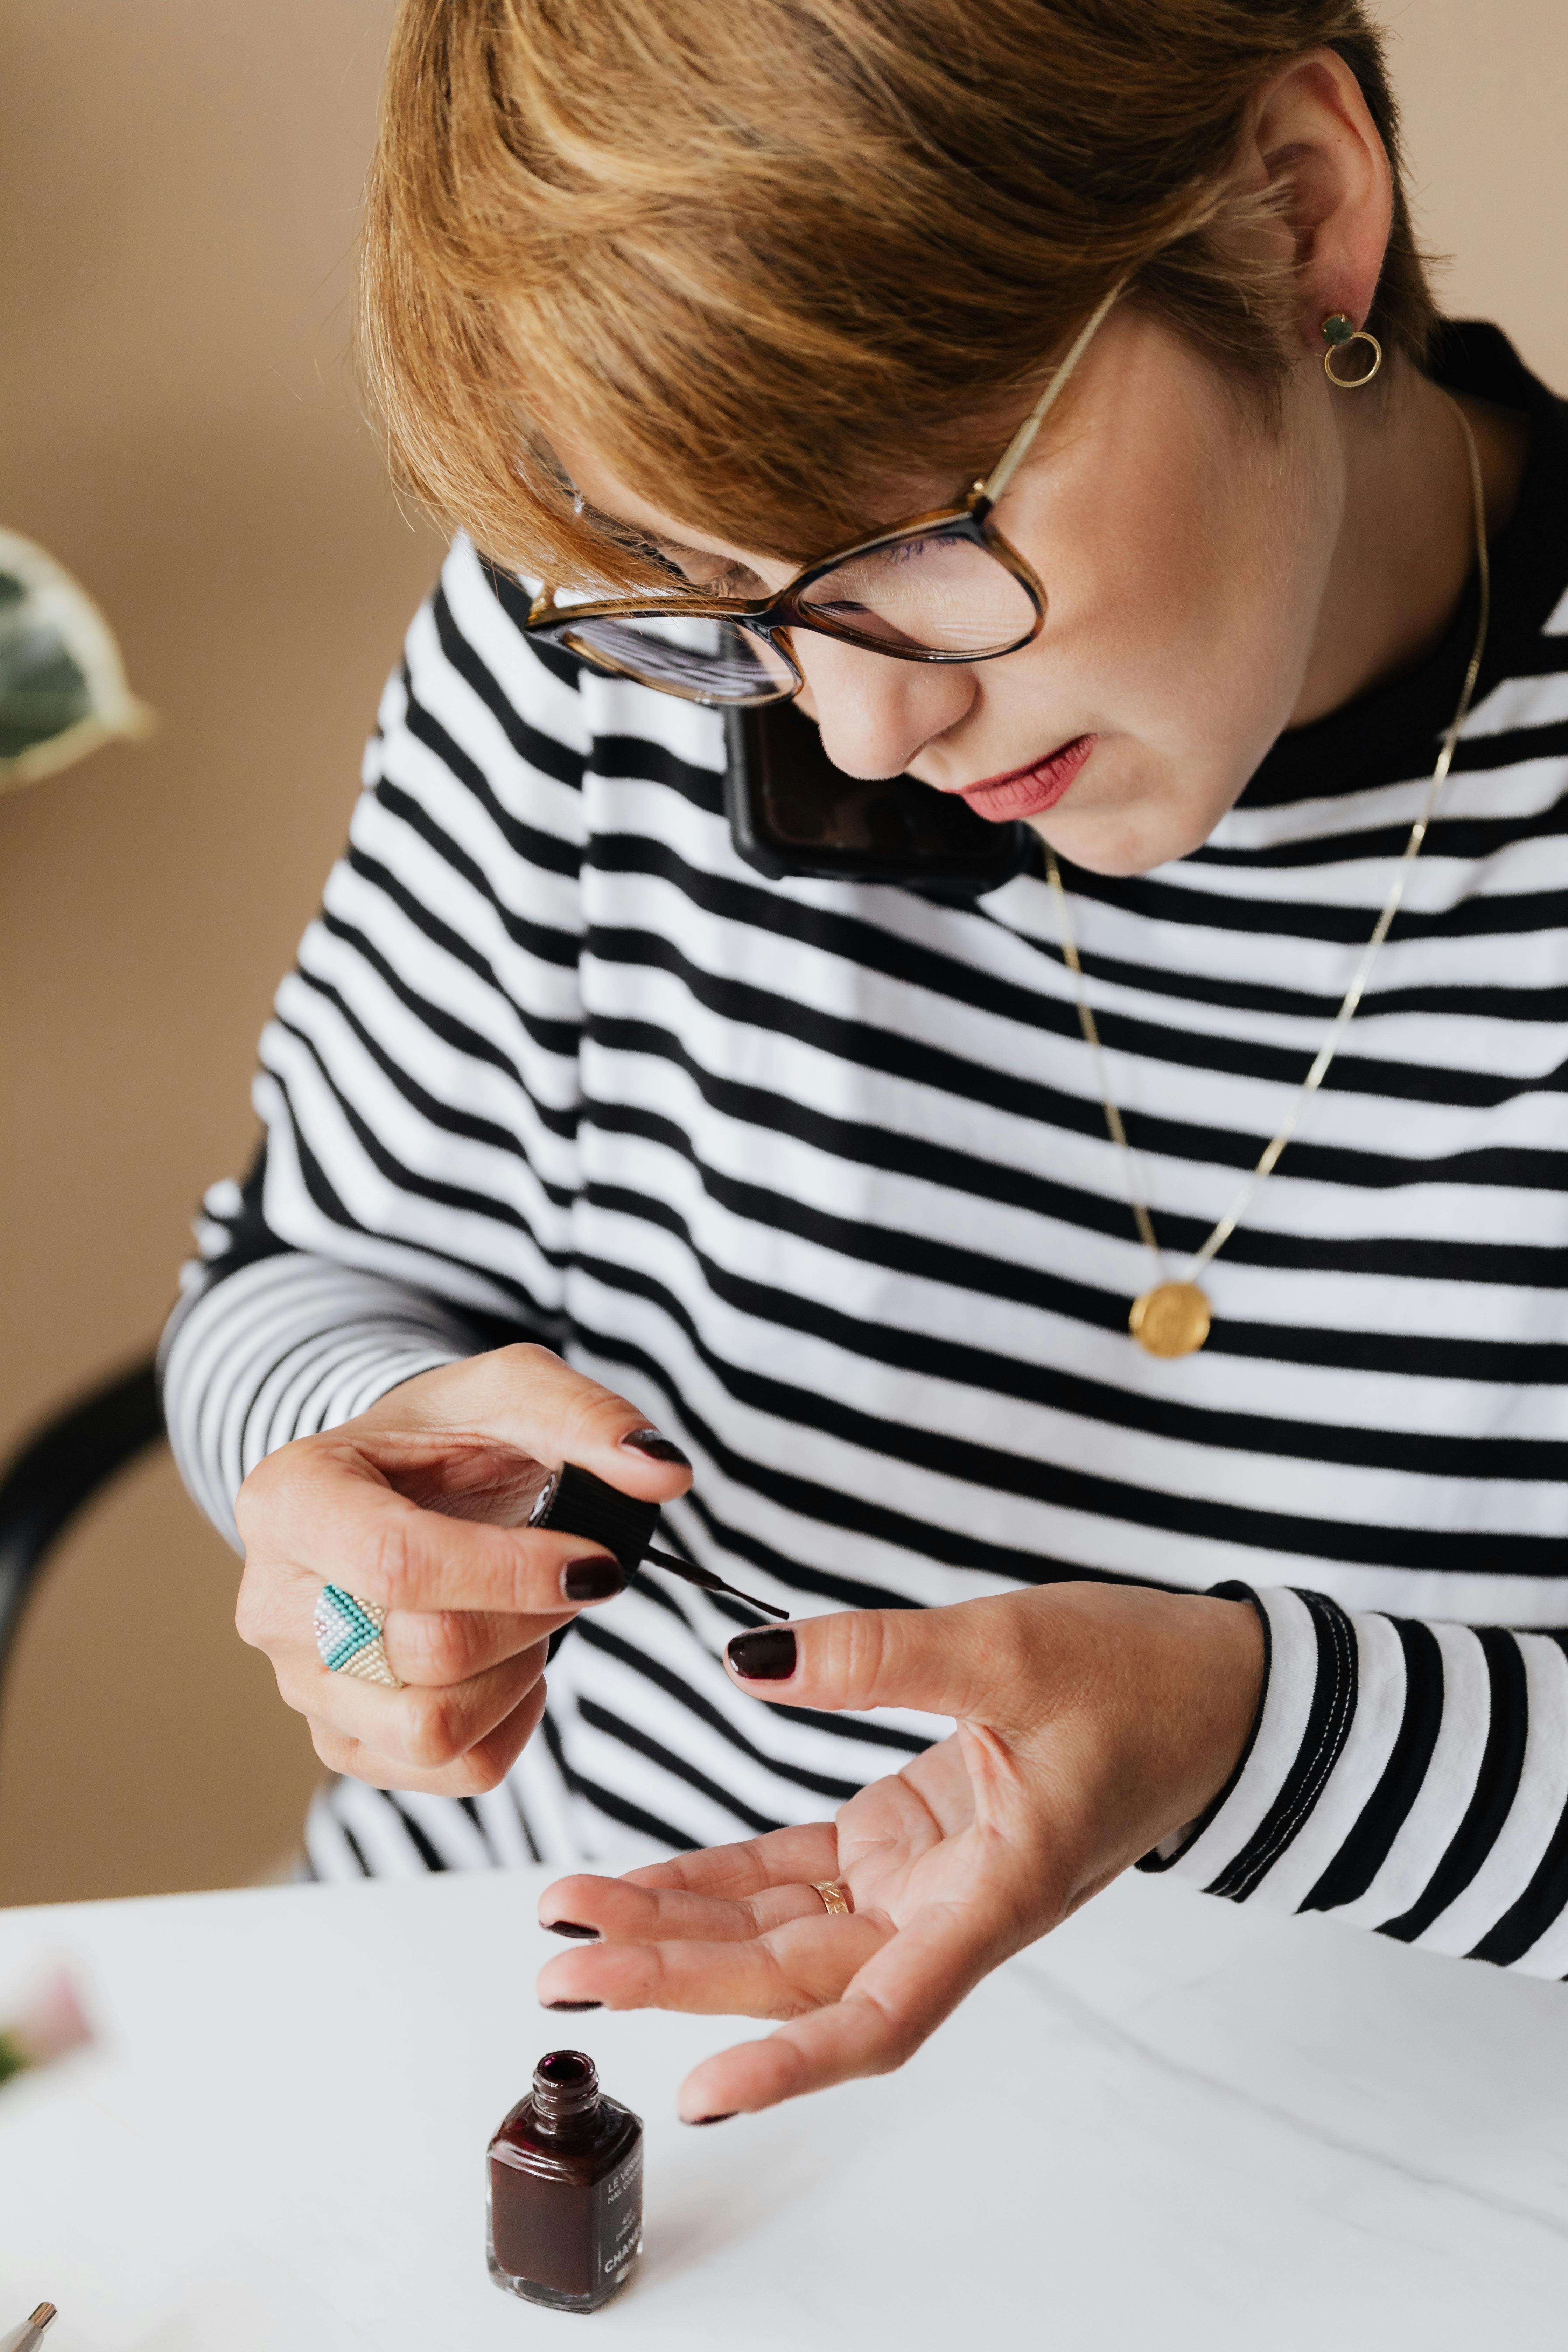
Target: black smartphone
{"points": [[792, 812]]}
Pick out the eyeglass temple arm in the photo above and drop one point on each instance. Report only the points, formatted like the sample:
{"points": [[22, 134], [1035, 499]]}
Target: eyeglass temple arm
{"points": [[1018, 448]]}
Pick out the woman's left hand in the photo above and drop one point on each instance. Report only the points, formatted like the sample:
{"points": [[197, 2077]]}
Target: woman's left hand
{"points": [[1092, 1721]]}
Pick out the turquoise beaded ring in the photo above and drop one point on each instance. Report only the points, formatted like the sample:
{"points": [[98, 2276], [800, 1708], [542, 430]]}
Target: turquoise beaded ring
{"points": [[349, 1637]]}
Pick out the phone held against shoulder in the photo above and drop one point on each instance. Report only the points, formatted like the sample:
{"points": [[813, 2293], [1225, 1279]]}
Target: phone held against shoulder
{"points": [[792, 813]]}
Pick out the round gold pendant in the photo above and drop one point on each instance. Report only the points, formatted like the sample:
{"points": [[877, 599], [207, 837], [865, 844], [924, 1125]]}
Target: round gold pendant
{"points": [[1172, 1320]]}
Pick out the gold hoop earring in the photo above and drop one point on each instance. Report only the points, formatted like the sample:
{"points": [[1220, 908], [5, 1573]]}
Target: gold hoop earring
{"points": [[1337, 332]]}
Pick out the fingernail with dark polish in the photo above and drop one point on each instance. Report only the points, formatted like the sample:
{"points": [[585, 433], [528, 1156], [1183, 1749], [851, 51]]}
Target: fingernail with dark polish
{"points": [[656, 1448], [591, 1579], [766, 1655], [570, 1927], [724, 2118], [573, 2004]]}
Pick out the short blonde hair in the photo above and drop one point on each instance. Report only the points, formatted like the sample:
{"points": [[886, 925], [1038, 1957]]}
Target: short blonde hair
{"points": [[771, 258]]}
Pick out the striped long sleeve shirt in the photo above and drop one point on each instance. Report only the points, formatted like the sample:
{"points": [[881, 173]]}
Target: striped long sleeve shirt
{"points": [[815, 1173]]}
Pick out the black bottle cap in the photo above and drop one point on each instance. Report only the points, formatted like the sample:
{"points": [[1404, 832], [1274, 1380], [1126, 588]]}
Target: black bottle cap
{"points": [[578, 1504]]}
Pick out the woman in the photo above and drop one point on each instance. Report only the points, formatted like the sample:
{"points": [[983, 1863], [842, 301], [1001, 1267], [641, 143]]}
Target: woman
{"points": [[812, 1209]]}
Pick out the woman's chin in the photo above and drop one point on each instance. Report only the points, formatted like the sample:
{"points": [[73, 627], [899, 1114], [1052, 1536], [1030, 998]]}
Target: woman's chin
{"points": [[1118, 833]]}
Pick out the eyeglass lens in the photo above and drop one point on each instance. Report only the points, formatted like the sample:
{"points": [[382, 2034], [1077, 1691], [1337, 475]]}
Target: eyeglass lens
{"points": [[711, 660], [940, 594]]}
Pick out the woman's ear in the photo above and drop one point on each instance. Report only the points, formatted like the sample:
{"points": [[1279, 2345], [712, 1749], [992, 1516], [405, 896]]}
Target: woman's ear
{"points": [[1312, 141]]}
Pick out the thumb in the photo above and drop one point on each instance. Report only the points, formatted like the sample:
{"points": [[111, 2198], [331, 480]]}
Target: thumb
{"points": [[955, 1660]]}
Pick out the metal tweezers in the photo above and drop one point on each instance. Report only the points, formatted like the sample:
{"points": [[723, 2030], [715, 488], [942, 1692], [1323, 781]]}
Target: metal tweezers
{"points": [[31, 2331]]}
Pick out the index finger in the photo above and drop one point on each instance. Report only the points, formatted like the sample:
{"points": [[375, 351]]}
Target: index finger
{"points": [[337, 1517], [525, 1402]]}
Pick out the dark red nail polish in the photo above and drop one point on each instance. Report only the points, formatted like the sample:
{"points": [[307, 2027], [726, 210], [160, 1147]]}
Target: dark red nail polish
{"points": [[766, 1655], [570, 1927], [726, 2117], [573, 2004], [591, 1579], [656, 1448], [565, 2190]]}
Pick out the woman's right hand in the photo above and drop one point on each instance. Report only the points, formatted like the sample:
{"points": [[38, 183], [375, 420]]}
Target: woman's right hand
{"points": [[421, 1505]]}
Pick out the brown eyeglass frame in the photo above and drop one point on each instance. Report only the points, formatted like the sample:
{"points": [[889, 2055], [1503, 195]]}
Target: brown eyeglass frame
{"points": [[769, 617]]}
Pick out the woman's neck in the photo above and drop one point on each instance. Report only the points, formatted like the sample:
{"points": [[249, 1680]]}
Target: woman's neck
{"points": [[1408, 541]]}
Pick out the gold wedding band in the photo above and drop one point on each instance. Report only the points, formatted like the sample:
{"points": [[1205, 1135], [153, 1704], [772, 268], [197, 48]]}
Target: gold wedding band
{"points": [[836, 1900]]}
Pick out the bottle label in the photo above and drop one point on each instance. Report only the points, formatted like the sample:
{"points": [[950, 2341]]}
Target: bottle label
{"points": [[620, 2214]]}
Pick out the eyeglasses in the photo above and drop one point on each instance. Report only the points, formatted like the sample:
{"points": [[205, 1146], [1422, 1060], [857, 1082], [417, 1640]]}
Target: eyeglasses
{"points": [[941, 587]]}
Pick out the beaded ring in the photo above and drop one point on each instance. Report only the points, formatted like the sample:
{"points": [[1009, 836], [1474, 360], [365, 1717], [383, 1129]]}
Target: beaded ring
{"points": [[349, 1637]]}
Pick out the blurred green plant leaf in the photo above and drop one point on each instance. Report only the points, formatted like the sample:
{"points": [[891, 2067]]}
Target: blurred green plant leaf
{"points": [[63, 688]]}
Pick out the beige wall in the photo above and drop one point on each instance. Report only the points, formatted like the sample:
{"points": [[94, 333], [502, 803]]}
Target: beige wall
{"points": [[178, 430], [1482, 84]]}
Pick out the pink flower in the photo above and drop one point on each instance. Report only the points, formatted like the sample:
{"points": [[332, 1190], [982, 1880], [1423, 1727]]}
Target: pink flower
{"points": [[52, 2025]]}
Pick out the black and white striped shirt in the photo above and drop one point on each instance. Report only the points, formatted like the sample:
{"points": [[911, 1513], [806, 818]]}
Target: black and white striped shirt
{"points": [[817, 1174]]}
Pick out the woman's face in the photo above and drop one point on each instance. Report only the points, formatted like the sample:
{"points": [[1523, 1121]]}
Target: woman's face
{"points": [[1184, 543]]}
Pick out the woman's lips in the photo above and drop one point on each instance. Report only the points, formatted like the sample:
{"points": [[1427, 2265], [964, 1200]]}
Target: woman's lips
{"points": [[1027, 790]]}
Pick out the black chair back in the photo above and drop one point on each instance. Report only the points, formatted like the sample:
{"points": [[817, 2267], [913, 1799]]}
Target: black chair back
{"points": [[60, 1468]]}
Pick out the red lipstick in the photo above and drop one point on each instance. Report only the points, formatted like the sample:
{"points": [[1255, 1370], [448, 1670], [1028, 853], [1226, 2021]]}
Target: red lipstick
{"points": [[1024, 792]]}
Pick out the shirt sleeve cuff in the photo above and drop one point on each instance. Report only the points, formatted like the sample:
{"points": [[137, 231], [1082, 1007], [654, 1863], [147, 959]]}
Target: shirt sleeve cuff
{"points": [[1303, 1718]]}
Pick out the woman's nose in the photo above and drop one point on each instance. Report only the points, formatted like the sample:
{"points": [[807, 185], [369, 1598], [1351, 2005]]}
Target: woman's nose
{"points": [[877, 714]]}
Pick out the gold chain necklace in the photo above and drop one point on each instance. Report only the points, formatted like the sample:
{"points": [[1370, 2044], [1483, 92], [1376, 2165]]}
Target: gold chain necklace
{"points": [[1173, 1319]]}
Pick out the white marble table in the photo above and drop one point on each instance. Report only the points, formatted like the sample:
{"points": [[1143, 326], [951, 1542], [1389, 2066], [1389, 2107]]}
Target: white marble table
{"points": [[1173, 2125]]}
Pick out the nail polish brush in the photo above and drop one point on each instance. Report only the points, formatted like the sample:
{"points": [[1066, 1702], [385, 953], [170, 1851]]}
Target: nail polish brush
{"points": [[576, 1503]]}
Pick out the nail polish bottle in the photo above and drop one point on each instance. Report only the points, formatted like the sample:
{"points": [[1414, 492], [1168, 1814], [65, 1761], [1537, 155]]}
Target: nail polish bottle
{"points": [[565, 2190]]}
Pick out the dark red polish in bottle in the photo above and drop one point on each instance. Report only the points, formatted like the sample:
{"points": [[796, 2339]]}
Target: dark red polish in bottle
{"points": [[565, 2190]]}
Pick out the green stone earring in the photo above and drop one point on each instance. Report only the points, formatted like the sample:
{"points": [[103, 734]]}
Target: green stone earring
{"points": [[1337, 331]]}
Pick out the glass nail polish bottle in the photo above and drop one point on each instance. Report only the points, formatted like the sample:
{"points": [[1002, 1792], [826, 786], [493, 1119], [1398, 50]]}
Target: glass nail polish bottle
{"points": [[565, 2190]]}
